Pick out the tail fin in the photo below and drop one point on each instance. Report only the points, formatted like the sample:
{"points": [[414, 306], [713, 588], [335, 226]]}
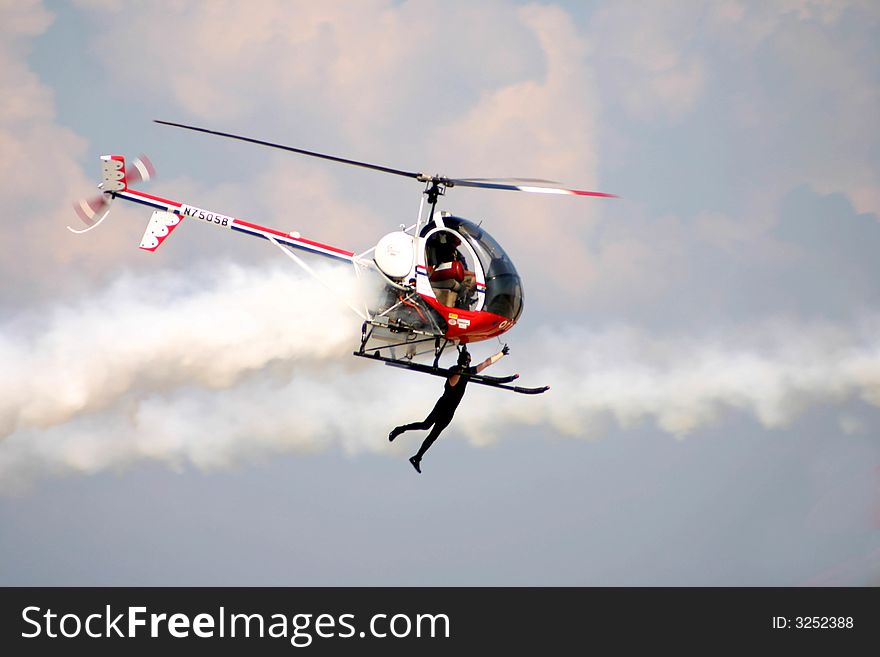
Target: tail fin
{"points": [[118, 178], [113, 168]]}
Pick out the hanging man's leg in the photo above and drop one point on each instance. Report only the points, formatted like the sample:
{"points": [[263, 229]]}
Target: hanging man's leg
{"points": [[415, 426], [439, 425]]}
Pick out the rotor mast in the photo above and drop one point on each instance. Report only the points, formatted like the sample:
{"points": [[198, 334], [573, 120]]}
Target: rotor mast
{"points": [[435, 187]]}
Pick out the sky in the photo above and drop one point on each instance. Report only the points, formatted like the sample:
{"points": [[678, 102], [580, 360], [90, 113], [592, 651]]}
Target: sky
{"points": [[194, 416]]}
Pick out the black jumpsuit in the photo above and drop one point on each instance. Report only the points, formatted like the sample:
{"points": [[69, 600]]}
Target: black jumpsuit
{"points": [[441, 415]]}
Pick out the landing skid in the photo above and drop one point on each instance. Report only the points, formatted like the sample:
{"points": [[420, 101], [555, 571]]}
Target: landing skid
{"points": [[481, 379]]}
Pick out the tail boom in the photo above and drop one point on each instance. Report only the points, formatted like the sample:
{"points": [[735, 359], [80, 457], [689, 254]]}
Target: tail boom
{"points": [[182, 210]]}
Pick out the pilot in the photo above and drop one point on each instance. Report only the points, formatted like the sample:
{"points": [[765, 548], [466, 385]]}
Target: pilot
{"points": [[453, 391], [451, 279]]}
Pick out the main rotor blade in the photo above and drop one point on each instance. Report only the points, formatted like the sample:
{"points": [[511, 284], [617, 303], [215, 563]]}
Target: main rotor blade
{"points": [[540, 181], [260, 142], [544, 189]]}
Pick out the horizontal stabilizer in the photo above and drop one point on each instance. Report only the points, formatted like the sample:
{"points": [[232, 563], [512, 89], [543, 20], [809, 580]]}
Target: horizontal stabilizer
{"points": [[160, 226]]}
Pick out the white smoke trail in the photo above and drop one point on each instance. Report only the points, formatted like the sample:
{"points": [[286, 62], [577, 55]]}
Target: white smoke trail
{"points": [[238, 364], [209, 328], [773, 371]]}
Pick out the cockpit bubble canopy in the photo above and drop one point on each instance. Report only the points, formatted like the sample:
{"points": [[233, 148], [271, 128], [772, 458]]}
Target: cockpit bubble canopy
{"points": [[504, 291]]}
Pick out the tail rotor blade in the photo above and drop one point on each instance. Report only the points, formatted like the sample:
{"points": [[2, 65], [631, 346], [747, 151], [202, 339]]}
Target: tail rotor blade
{"points": [[88, 209], [140, 169], [92, 212]]}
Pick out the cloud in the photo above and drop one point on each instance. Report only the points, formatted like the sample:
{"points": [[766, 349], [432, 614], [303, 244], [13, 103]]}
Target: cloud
{"points": [[745, 25], [378, 82], [815, 97], [646, 57], [543, 126], [780, 94], [366, 68], [41, 176], [40, 173]]}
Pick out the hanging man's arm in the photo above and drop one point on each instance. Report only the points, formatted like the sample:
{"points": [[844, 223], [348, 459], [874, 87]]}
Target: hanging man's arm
{"points": [[454, 379], [492, 359]]}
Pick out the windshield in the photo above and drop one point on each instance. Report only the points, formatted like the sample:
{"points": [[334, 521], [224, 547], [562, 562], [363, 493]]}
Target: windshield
{"points": [[504, 293]]}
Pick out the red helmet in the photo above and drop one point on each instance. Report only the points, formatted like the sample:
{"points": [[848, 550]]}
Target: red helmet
{"points": [[448, 271]]}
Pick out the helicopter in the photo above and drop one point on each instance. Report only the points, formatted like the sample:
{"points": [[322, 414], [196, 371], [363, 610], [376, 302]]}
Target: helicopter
{"points": [[445, 280]]}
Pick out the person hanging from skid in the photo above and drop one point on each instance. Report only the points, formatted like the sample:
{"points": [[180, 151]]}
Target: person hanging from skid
{"points": [[443, 411]]}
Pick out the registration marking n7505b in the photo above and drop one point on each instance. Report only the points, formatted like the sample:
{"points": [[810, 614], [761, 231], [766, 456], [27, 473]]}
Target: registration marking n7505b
{"points": [[206, 215]]}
